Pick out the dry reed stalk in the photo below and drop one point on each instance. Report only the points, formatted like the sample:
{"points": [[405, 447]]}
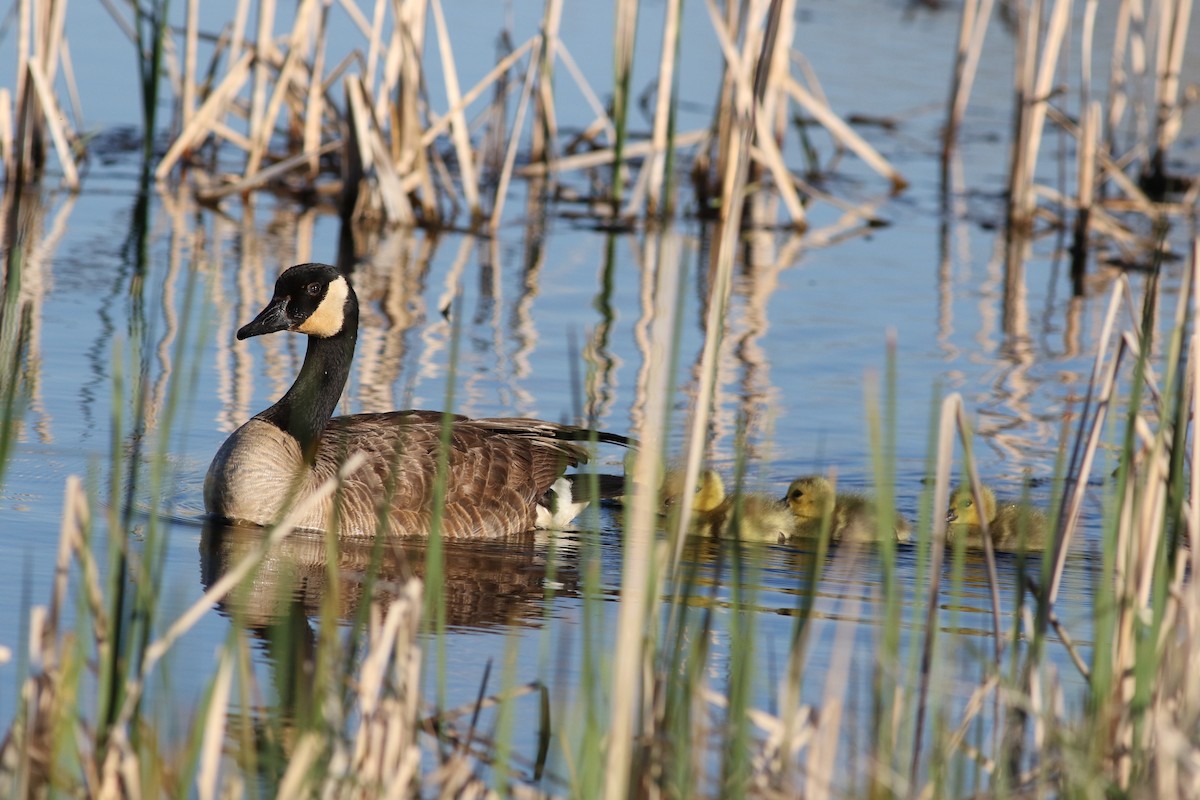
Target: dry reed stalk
{"points": [[405, 71], [55, 121], [72, 85], [52, 20], [76, 519], [733, 195], [544, 131], [1174, 18], [1087, 170], [953, 416], [1194, 381], [775, 99], [1025, 34], [743, 67], [6, 134], [372, 150], [640, 584], [1117, 99], [787, 735], [941, 497], [585, 88], [208, 772], [205, 118], [190, 42], [971, 34], [510, 157], [842, 132], [1112, 170], [821, 766], [637, 195], [656, 166], [27, 749], [262, 129], [1033, 97], [707, 170], [1065, 638], [460, 132], [1139, 531], [237, 38], [1084, 451], [596, 158], [624, 35], [228, 581], [223, 133], [263, 47], [1086, 46], [265, 176], [315, 106], [301, 761], [440, 125], [22, 94], [972, 709], [41, 45], [383, 754], [374, 34]]}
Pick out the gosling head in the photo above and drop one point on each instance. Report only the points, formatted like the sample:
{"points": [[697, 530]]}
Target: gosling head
{"points": [[309, 298], [810, 497], [710, 491], [964, 511]]}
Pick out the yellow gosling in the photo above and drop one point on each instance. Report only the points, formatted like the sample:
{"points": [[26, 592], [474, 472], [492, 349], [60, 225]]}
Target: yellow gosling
{"points": [[749, 517], [708, 494], [1013, 526], [853, 518]]}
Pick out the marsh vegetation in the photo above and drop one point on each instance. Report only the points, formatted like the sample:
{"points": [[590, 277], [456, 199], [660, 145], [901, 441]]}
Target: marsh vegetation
{"points": [[703, 244]]}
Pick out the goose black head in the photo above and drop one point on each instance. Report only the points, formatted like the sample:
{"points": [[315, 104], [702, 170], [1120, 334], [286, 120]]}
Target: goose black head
{"points": [[309, 298]]}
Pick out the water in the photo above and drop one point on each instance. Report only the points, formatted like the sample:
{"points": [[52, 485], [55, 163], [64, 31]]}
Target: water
{"points": [[808, 329]]}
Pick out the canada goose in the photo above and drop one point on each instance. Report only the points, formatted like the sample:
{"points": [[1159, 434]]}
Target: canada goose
{"points": [[1012, 526], [852, 517], [503, 476], [749, 517]]}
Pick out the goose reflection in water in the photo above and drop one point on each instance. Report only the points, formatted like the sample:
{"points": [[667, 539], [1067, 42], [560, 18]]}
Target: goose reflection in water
{"points": [[485, 584]]}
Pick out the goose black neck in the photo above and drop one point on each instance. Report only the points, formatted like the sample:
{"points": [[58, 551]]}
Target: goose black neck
{"points": [[307, 407]]}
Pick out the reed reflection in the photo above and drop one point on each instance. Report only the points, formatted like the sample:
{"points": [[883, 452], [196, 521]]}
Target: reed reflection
{"points": [[600, 384], [29, 240], [522, 330], [392, 278]]}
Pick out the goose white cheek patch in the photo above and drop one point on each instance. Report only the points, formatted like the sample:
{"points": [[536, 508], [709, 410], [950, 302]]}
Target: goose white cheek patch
{"points": [[327, 320]]}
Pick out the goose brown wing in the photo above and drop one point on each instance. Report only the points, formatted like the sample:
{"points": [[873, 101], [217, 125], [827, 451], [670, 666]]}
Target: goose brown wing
{"points": [[497, 469]]}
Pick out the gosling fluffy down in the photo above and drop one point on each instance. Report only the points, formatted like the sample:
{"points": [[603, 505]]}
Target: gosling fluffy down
{"points": [[749, 517], [1013, 527], [852, 517]]}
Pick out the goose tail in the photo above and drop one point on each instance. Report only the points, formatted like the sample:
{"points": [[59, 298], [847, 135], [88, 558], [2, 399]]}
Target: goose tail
{"points": [[568, 496]]}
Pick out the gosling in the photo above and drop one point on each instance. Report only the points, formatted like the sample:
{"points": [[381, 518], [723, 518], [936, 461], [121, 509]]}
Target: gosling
{"points": [[853, 518], [748, 517], [1013, 527]]}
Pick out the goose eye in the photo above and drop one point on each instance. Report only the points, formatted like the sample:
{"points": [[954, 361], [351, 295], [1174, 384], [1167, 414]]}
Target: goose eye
{"points": [[313, 289], [797, 494], [970, 503]]}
